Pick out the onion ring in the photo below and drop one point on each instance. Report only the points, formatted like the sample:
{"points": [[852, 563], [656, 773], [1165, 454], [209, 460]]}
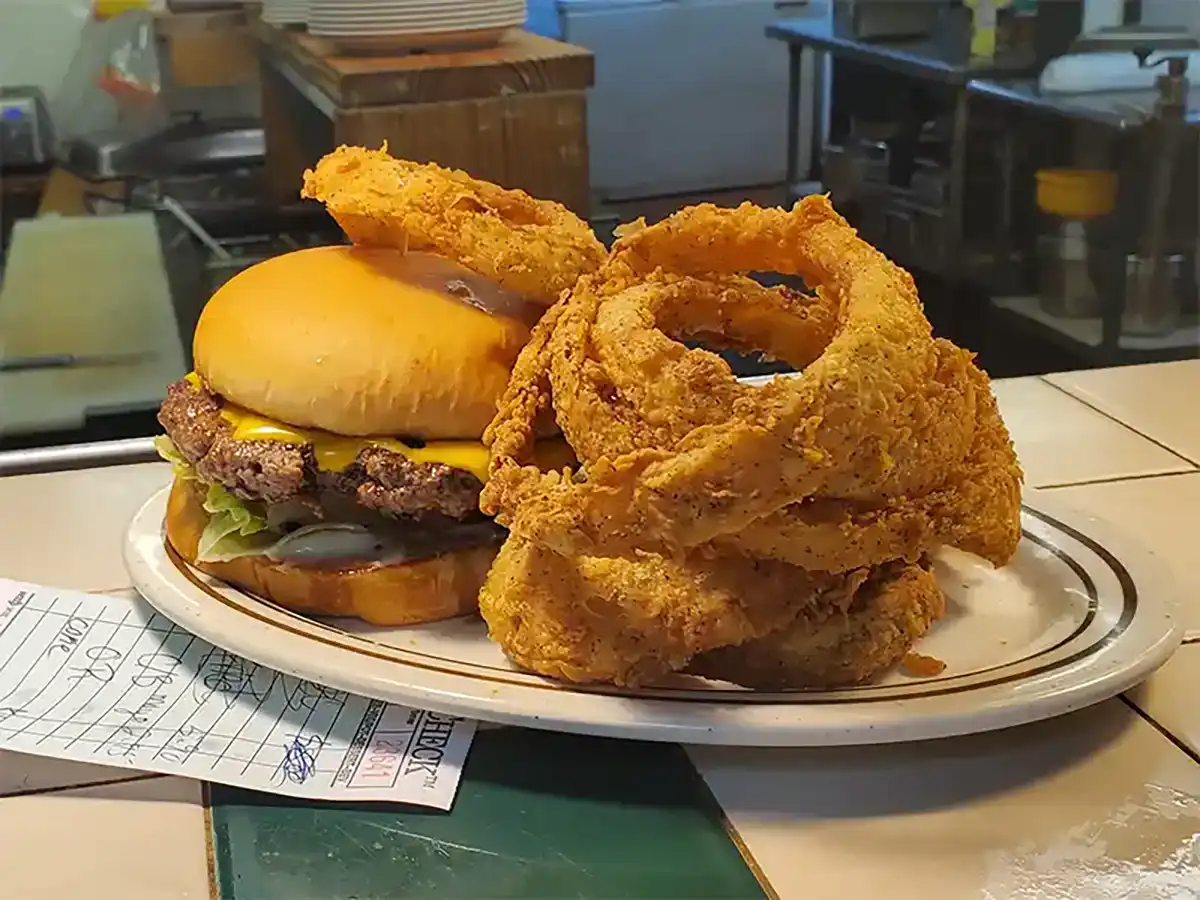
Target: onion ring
{"points": [[892, 608], [628, 622], [888, 444], [535, 248], [884, 410]]}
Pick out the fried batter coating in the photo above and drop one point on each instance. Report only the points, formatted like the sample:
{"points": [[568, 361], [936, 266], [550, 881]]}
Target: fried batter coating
{"points": [[630, 622], [975, 509], [885, 615], [535, 248], [813, 495], [883, 411]]}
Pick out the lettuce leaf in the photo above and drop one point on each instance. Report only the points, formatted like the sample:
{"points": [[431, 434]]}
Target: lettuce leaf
{"points": [[235, 527], [179, 465]]}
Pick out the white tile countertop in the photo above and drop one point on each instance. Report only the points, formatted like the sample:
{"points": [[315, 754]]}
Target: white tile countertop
{"points": [[1103, 803]]}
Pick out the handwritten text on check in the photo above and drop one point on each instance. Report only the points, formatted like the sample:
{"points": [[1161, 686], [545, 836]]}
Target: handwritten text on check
{"points": [[106, 679]]}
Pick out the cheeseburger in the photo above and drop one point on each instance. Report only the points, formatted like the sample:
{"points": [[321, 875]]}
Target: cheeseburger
{"points": [[327, 447]]}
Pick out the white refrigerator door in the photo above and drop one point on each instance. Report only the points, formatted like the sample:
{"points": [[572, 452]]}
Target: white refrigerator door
{"points": [[690, 95]]}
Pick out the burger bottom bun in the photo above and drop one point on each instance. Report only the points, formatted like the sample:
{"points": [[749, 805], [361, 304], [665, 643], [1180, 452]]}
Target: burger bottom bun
{"points": [[406, 594]]}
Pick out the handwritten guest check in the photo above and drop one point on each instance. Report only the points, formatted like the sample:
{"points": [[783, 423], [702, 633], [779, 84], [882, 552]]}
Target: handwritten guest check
{"points": [[106, 679]]}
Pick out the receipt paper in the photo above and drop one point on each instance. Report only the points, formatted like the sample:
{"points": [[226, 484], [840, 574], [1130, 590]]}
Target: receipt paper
{"points": [[106, 679]]}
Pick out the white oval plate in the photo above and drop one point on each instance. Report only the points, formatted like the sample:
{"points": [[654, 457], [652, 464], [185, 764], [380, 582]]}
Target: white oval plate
{"points": [[1078, 616]]}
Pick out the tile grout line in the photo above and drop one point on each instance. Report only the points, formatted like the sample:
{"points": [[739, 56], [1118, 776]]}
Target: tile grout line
{"points": [[709, 799], [210, 849], [83, 785], [1191, 462], [752, 864], [1179, 745], [1116, 479]]}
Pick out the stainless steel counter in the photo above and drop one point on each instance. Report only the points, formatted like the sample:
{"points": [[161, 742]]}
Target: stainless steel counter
{"points": [[945, 58], [1120, 110]]}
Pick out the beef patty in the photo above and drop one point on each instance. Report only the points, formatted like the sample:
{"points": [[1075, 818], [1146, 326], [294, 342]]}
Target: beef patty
{"points": [[275, 472]]}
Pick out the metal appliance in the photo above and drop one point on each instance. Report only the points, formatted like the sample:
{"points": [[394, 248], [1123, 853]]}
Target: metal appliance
{"points": [[189, 147], [1153, 309], [874, 19], [1131, 38], [26, 131]]}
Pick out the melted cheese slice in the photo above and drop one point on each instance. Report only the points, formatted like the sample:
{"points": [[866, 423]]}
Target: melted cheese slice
{"points": [[335, 453]]}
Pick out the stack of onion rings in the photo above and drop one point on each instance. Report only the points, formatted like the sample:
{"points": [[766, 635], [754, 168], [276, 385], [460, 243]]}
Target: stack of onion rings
{"points": [[709, 515]]}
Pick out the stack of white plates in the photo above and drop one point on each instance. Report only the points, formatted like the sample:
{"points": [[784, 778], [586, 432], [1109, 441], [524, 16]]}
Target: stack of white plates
{"points": [[285, 12], [414, 22]]}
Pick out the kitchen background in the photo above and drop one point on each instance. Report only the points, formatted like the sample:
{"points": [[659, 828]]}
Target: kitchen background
{"points": [[1033, 162]]}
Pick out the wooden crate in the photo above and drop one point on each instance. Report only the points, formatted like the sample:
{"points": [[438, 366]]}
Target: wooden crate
{"points": [[514, 114], [208, 49]]}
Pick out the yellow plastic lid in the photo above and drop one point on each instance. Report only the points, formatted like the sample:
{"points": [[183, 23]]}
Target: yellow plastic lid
{"points": [[1076, 193], [106, 9]]}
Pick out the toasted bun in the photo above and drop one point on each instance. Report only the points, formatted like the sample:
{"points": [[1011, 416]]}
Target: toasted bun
{"points": [[427, 591], [340, 339]]}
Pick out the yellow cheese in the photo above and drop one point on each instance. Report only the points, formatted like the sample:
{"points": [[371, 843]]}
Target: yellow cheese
{"points": [[335, 452]]}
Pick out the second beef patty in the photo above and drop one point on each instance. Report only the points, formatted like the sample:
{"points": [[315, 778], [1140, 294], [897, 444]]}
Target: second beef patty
{"points": [[277, 472]]}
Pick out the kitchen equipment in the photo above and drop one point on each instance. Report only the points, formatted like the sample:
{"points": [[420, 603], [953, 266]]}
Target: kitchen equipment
{"points": [[1071, 196], [854, 169], [930, 183], [1152, 305], [110, 9], [1129, 38], [1113, 59], [26, 131], [194, 146], [912, 233], [666, 125], [873, 161], [1153, 308], [1065, 284], [839, 175], [1076, 193], [1101, 73], [874, 19]]}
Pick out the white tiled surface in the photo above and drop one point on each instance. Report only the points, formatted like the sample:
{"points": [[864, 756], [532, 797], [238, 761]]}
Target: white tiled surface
{"points": [[1169, 697], [21, 773], [64, 529], [1163, 514], [1061, 441], [136, 840], [1095, 806], [1161, 401]]}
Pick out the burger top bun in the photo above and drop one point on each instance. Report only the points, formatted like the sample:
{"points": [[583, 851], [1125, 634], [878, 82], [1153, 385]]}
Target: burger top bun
{"points": [[348, 340]]}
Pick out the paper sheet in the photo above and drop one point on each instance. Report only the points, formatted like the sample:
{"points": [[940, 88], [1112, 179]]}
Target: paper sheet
{"points": [[106, 679]]}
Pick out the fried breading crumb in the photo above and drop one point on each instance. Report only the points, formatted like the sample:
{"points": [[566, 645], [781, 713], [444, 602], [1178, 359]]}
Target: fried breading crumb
{"points": [[918, 665]]}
